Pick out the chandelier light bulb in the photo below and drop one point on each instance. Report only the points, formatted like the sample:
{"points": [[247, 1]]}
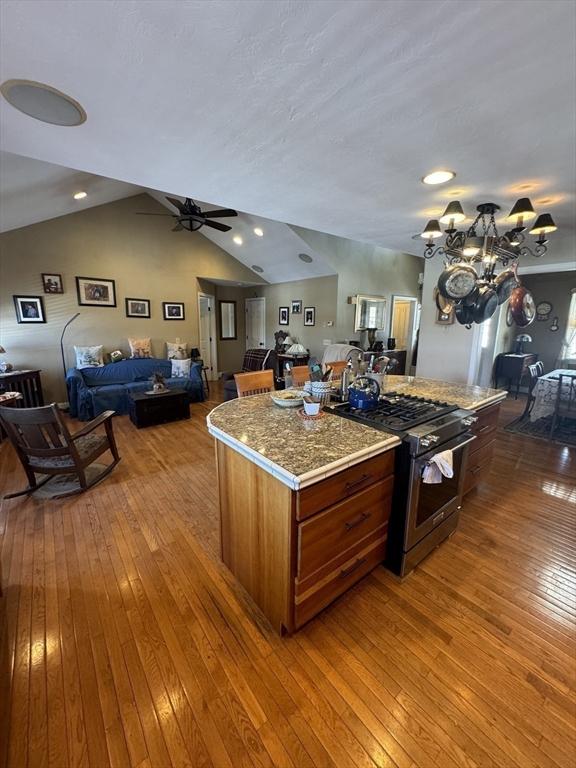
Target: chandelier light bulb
{"points": [[453, 213], [522, 211], [431, 230], [543, 224]]}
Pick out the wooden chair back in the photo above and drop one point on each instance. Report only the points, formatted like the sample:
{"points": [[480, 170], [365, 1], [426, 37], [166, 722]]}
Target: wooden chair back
{"points": [[337, 369], [254, 382], [37, 432], [300, 375], [534, 371]]}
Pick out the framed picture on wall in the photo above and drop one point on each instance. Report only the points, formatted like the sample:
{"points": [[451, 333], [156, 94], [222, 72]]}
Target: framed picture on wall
{"points": [[96, 292], [29, 309], [296, 306], [173, 310], [52, 283], [138, 308], [309, 315], [283, 315]]}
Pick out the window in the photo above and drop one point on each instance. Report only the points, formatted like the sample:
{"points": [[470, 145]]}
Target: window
{"points": [[568, 351]]}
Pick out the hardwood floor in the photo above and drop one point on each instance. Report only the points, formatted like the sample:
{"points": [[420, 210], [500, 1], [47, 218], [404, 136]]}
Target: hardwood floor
{"points": [[125, 642]]}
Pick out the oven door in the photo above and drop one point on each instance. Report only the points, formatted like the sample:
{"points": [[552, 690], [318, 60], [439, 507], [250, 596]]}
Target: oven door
{"points": [[431, 503]]}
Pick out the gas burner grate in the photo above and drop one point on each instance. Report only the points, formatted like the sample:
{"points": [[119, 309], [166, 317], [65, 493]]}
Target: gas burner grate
{"points": [[396, 412]]}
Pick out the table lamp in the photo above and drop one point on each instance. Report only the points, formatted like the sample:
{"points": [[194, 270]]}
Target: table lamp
{"points": [[522, 339]]}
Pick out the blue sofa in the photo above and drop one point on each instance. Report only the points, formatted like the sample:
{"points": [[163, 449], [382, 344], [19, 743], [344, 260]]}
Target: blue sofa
{"points": [[94, 390]]}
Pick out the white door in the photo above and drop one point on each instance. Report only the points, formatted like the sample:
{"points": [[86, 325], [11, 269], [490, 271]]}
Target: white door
{"points": [[255, 323], [207, 333]]}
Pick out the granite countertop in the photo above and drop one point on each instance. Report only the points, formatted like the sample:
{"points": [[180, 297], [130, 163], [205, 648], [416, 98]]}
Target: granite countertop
{"points": [[467, 396], [297, 451]]}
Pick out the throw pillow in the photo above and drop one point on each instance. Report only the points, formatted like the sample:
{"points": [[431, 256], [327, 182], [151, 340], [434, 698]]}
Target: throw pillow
{"points": [[177, 351], [140, 348], [89, 357], [181, 368]]}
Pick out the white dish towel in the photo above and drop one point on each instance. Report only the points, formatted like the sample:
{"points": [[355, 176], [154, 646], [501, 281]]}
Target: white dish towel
{"points": [[439, 465]]}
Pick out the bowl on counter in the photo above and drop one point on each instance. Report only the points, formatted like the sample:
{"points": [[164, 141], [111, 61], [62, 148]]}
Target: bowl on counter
{"points": [[289, 398]]}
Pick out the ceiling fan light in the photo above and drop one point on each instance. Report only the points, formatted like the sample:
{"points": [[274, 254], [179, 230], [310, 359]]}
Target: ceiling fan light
{"points": [[523, 209], [453, 213], [431, 230], [472, 246], [543, 224]]}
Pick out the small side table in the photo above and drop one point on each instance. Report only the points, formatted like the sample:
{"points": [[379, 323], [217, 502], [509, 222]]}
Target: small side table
{"points": [[7, 399], [205, 372]]}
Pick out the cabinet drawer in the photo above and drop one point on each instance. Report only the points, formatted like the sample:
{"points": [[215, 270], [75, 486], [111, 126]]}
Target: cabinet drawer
{"points": [[344, 484], [338, 581], [478, 465], [326, 535], [487, 419]]}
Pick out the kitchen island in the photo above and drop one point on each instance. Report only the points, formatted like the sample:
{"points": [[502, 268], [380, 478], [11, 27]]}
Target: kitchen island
{"points": [[305, 505]]}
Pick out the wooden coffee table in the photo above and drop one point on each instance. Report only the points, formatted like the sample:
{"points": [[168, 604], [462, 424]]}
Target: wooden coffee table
{"points": [[149, 410]]}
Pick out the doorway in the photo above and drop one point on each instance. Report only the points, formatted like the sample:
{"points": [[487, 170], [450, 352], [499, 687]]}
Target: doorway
{"points": [[255, 323], [207, 334], [404, 325]]}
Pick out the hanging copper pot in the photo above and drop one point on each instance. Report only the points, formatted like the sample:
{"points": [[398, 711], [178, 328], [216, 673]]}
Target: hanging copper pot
{"points": [[522, 306]]}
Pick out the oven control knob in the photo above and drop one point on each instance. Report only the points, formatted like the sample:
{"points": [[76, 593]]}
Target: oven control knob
{"points": [[429, 440], [469, 420]]}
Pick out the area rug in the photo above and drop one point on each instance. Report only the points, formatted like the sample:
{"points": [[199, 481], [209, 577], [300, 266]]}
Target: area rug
{"points": [[60, 484], [565, 432]]}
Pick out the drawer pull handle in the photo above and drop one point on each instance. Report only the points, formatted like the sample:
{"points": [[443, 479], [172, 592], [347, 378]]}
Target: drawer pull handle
{"points": [[353, 567], [359, 520], [350, 486], [485, 429], [475, 470]]}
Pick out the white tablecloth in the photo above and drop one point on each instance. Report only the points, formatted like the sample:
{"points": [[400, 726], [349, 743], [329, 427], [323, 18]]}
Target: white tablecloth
{"points": [[545, 393]]}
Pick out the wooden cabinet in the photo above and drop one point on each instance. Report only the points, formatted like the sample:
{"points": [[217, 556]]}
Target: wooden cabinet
{"points": [[513, 367], [482, 449], [297, 551]]}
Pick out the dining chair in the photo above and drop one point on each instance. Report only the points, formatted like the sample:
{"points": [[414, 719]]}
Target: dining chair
{"points": [[338, 367], [46, 448], [254, 382], [300, 375], [534, 372], [565, 405]]}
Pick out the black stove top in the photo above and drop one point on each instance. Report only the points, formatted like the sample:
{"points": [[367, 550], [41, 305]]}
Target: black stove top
{"points": [[396, 412]]}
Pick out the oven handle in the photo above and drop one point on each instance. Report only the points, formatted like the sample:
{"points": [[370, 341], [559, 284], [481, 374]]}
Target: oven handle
{"points": [[452, 445]]}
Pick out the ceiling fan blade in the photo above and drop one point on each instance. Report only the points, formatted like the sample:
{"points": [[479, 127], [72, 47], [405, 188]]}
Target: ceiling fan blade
{"points": [[143, 213], [176, 203], [220, 213], [217, 225], [177, 227]]}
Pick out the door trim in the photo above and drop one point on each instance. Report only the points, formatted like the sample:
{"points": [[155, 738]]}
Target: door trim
{"points": [[213, 374]]}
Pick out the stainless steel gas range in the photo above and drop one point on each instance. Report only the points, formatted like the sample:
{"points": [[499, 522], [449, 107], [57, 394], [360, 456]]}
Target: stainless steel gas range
{"points": [[423, 515]]}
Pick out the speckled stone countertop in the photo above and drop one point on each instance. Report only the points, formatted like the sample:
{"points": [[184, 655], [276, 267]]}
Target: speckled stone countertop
{"points": [[296, 451], [462, 395]]}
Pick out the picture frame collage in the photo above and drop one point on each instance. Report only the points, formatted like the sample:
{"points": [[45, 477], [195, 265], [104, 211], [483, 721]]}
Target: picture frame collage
{"points": [[296, 309], [91, 292]]}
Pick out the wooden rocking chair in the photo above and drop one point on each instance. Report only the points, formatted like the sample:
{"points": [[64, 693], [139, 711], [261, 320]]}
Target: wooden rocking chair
{"points": [[45, 446]]}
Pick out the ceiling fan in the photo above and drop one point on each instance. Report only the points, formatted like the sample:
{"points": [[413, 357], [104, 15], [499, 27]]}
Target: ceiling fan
{"points": [[190, 216]]}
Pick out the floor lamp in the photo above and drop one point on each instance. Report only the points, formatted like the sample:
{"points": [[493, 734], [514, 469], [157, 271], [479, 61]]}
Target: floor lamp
{"points": [[62, 342]]}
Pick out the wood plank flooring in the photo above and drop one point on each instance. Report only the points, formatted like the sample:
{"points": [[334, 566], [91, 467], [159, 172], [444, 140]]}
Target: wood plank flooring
{"points": [[125, 642]]}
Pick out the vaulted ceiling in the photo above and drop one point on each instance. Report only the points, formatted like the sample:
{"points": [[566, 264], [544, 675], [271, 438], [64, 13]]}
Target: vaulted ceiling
{"points": [[320, 114]]}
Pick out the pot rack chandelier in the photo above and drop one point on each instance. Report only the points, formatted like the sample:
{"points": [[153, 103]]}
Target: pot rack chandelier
{"points": [[481, 242]]}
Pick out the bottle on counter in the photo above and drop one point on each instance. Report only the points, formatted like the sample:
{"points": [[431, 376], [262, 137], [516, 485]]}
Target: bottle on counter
{"points": [[347, 378], [287, 376]]}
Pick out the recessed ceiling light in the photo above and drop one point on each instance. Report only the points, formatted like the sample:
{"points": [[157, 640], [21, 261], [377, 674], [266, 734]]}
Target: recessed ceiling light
{"points": [[80, 195], [256, 268], [438, 177], [237, 239], [305, 258], [259, 232], [43, 102]]}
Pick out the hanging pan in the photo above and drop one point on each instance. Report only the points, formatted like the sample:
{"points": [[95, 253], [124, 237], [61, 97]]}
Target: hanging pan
{"points": [[485, 305], [457, 281], [522, 306]]}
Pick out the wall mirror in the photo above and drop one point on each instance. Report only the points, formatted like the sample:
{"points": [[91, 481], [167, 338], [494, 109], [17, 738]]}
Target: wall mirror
{"points": [[227, 320], [370, 313]]}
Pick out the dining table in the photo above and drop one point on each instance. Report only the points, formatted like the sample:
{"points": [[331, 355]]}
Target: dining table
{"points": [[546, 391]]}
